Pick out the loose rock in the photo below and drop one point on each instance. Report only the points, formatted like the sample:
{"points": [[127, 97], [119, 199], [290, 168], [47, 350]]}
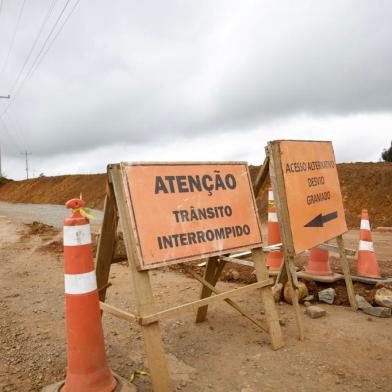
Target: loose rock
{"points": [[315, 311], [378, 311], [277, 291], [383, 297], [362, 303], [327, 295], [302, 292]]}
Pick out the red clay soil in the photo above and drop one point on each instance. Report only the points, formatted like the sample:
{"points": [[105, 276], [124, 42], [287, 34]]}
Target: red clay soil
{"points": [[56, 190], [364, 185]]}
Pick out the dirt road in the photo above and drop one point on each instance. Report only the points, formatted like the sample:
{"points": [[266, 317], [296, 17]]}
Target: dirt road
{"points": [[343, 351], [50, 214]]}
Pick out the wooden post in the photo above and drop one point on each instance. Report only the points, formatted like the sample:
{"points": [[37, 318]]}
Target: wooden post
{"points": [[211, 275], [293, 284], [142, 292], [267, 298], [278, 185], [261, 176], [347, 274], [106, 242]]}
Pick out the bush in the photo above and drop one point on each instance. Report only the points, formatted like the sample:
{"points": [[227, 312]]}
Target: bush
{"points": [[4, 180], [387, 154]]}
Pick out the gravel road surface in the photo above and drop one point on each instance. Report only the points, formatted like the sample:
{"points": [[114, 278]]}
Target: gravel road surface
{"points": [[49, 214]]}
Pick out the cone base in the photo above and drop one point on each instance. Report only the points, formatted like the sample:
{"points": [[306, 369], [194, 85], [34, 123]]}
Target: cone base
{"points": [[314, 272], [366, 280], [122, 386], [369, 276], [320, 278]]}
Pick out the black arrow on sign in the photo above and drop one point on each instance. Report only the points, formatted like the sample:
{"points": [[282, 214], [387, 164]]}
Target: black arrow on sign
{"points": [[320, 219]]}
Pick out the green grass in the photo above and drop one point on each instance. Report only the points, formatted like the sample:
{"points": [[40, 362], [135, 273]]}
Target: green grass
{"points": [[4, 180]]}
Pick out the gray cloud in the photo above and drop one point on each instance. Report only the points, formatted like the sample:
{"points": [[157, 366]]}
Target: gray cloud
{"points": [[143, 73]]}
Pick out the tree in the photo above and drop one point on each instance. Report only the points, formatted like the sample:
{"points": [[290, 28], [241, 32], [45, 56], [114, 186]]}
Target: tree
{"points": [[387, 154]]}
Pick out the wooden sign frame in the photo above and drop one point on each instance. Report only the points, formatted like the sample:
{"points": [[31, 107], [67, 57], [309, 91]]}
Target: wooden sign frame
{"points": [[272, 166], [116, 209]]}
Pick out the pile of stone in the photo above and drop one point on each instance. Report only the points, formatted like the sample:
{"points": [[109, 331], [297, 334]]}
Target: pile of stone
{"points": [[382, 298]]}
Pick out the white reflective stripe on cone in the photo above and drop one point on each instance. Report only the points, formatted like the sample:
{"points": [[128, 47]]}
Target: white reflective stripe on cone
{"points": [[272, 217], [366, 245], [365, 224], [270, 195], [80, 283], [77, 235]]}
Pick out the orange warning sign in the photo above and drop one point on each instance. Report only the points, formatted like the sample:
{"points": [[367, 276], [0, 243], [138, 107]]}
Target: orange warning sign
{"points": [[313, 192], [187, 211]]}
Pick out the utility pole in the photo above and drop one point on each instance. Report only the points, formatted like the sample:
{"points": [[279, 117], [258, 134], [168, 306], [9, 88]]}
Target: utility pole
{"points": [[27, 163], [5, 97]]}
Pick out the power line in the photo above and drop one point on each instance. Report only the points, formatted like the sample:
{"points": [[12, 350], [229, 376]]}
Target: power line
{"points": [[14, 133], [46, 18], [57, 34], [5, 63], [43, 45], [38, 59], [18, 129], [12, 137]]}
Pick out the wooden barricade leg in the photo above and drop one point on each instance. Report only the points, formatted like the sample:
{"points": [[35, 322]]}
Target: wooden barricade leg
{"points": [[151, 333], [143, 293], [267, 298], [106, 242], [287, 273], [293, 284], [211, 275], [287, 270], [347, 274]]}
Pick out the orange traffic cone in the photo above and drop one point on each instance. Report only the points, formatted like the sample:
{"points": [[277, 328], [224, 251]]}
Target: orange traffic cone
{"points": [[87, 367], [367, 265], [318, 262], [274, 259]]}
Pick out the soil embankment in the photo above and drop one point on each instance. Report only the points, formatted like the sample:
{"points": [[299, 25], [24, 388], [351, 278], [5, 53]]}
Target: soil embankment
{"points": [[364, 185]]}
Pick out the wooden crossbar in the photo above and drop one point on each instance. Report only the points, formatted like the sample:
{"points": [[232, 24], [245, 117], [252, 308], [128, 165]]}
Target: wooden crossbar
{"points": [[150, 319], [248, 263], [334, 248], [118, 312], [228, 300], [205, 301]]}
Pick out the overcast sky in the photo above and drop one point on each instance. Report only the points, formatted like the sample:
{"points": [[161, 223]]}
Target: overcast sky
{"points": [[190, 80]]}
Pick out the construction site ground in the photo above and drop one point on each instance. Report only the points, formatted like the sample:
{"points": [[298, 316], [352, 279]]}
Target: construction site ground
{"points": [[344, 351]]}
